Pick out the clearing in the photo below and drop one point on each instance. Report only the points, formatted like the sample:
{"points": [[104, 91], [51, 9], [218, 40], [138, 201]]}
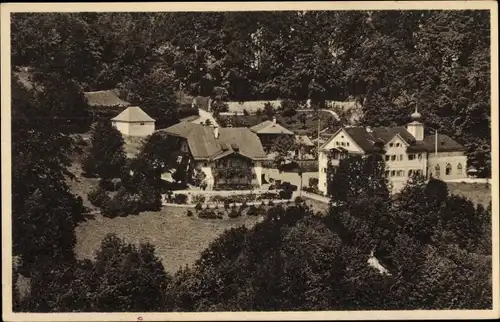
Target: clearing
{"points": [[178, 239], [478, 193]]}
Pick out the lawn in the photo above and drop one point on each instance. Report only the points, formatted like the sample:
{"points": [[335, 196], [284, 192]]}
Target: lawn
{"points": [[178, 239], [479, 193]]}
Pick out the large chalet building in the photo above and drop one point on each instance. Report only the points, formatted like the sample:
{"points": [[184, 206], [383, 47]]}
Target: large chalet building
{"points": [[406, 151], [230, 158]]}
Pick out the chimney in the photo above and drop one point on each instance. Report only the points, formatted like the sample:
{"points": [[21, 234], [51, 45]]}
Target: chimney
{"points": [[274, 119], [216, 132]]}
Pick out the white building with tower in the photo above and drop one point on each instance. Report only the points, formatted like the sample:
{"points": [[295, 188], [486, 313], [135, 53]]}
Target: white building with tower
{"points": [[407, 150]]}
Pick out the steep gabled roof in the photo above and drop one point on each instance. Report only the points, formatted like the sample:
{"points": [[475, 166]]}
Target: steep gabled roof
{"points": [[133, 114], [388, 133], [205, 146], [270, 127], [107, 98], [245, 141]]}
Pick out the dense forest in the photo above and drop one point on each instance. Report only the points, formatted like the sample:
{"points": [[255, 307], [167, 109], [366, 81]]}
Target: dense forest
{"points": [[436, 246]]}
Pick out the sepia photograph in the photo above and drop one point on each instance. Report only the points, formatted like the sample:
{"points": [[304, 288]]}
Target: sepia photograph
{"points": [[241, 160]]}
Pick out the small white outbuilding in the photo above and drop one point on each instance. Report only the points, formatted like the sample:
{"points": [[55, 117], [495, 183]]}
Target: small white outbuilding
{"points": [[134, 122]]}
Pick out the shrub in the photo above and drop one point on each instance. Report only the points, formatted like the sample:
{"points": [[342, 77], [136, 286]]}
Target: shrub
{"points": [[199, 199], [252, 211], [122, 204], [189, 213], [207, 214], [285, 194], [198, 206], [226, 204], [234, 213], [181, 198], [220, 215], [262, 204], [299, 200], [98, 197], [313, 182], [270, 203], [243, 205]]}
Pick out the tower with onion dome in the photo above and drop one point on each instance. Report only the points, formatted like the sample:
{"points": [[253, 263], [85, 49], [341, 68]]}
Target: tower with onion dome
{"points": [[415, 127]]}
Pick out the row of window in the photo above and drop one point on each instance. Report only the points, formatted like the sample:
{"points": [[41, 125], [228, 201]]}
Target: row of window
{"points": [[400, 157], [341, 143], [397, 145], [401, 173], [448, 170]]}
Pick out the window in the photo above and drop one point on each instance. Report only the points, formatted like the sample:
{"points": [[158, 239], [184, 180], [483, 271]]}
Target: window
{"points": [[398, 145], [411, 156], [343, 144], [387, 157], [393, 173], [387, 173], [393, 158], [342, 136], [391, 144], [324, 170], [420, 156], [337, 143], [459, 169], [437, 171], [142, 123], [347, 143], [205, 164], [400, 157], [418, 172], [448, 169]]}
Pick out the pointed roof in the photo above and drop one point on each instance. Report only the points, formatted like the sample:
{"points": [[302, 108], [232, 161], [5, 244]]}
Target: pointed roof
{"points": [[133, 114], [270, 127]]}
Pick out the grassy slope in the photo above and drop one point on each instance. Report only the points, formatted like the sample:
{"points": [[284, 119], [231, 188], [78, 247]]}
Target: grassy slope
{"points": [[479, 193], [178, 239]]}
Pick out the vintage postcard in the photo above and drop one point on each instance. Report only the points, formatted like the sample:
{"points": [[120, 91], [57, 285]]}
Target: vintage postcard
{"points": [[249, 161]]}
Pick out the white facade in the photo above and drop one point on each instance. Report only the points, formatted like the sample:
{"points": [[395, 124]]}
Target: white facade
{"points": [[135, 128], [339, 140], [400, 164], [447, 165]]}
